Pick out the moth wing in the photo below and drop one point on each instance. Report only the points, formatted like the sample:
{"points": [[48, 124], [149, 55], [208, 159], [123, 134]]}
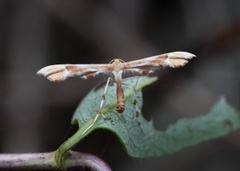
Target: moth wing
{"points": [[61, 72], [149, 64]]}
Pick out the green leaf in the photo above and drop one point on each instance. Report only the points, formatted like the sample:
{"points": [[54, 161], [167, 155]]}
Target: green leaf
{"points": [[85, 114], [138, 135]]}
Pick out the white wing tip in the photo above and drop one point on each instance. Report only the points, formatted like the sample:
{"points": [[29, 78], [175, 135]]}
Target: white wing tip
{"points": [[54, 73], [42, 71], [181, 54]]}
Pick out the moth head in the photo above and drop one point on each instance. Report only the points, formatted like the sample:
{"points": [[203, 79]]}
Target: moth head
{"points": [[117, 60], [117, 64]]}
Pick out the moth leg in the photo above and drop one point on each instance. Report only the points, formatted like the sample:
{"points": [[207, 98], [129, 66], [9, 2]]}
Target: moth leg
{"points": [[133, 87], [103, 97], [135, 99]]}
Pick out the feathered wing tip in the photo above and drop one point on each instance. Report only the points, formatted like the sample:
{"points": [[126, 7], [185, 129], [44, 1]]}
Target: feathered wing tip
{"points": [[178, 59], [54, 73]]}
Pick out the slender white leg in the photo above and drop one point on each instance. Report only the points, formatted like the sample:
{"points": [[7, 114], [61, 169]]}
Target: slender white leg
{"points": [[103, 97], [134, 97]]}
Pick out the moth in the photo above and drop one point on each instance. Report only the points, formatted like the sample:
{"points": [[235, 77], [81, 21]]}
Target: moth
{"points": [[115, 70]]}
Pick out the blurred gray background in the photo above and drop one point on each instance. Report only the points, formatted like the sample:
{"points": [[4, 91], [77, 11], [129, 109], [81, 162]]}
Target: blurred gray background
{"points": [[35, 114]]}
